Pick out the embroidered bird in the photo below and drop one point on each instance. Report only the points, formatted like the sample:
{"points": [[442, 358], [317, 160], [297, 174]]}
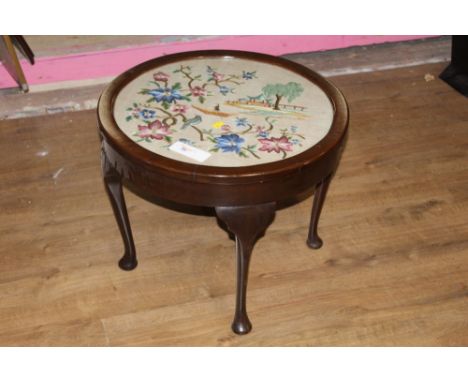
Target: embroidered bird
{"points": [[192, 121]]}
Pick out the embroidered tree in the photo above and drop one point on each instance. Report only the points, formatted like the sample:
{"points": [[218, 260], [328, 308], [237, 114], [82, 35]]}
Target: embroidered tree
{"points": [[290, 90]]}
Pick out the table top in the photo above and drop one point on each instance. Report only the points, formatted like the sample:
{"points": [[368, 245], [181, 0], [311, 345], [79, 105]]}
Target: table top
{"points": [[223, 111], [222, 117]]}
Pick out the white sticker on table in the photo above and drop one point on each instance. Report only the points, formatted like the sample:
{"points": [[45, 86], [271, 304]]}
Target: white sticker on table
{"points": [[190, 151]]}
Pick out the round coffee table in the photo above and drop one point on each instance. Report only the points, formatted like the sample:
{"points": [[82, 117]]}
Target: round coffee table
{"points": [[233, 130]]}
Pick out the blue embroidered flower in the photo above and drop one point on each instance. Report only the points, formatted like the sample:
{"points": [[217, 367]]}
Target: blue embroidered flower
{"points": [[294, 129], [241, 122], [147, 114], [224, 90], [165, 94], [229, 143], [295, 141], [263, 134], [248, 75]]}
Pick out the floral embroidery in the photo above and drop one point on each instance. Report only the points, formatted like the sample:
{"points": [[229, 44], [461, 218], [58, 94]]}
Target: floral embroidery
{"points": [[232, 143], [226, 129], [277, 145], [165, 94], [241, 121], [219, 124], [197, 91], [229, 143], [248, 75], [261, 132], [179, 108], [215, 76], [160, 76], [177, 104], [155, 130], [224, 90], [147, 114]]}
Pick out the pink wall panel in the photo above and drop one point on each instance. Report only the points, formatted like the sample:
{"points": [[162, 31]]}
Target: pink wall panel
{"points": [[109, 63]]}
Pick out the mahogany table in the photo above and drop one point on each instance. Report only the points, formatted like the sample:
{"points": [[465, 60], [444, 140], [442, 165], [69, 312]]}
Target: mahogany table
{"points": [[233, 130]]}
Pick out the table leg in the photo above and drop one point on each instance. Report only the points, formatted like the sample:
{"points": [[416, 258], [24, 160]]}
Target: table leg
{"points": [[113, 184], [247, 223], [313, 239]]}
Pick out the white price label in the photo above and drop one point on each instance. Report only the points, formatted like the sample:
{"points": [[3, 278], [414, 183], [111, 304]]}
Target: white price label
{"points": [[190, 151]]}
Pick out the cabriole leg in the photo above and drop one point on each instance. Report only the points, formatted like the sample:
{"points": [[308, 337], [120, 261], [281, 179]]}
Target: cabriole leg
{"points": [[313, 239], [247, 223], [113, 184]]}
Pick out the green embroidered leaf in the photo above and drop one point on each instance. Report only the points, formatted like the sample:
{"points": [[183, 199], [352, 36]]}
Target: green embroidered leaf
{"points": [[128, 118], [165, 105], [167, 139], [135, 104], [207, 132], [201, 99], [177, 86], [214, 150], [150, 100], [242, 154]]}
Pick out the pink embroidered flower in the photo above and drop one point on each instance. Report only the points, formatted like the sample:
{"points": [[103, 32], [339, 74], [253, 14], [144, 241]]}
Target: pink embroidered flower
{"points": [[226, 129], [156, 130], [217, 76], [197, 91], [136, 112], [160, 76], [178, 108], [275, 144]]}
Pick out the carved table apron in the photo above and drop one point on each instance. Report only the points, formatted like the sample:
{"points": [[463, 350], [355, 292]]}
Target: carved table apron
{"points": [[237, 131]]}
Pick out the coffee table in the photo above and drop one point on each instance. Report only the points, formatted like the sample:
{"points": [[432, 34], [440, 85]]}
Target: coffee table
{"points": [[236, 131]]}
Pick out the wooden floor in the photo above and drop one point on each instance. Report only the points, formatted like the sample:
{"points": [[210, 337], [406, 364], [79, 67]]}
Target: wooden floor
{"points": [[393, 269]]}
